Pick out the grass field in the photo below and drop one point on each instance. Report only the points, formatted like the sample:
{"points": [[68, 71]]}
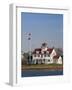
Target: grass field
{"points": [[42, 66]]}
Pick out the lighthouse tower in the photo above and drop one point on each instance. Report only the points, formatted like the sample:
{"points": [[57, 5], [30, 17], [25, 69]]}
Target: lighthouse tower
{"points": [[44, 47]]}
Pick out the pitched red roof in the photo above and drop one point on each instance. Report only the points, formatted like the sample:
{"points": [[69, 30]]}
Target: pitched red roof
{"points": [[50, 50], [38, 49], [56, 57], [34, 52]]}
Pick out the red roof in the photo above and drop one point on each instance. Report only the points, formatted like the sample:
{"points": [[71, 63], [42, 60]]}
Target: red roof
{"points": [[56, 57], [35, 52], [50, 50], [39, 49]]}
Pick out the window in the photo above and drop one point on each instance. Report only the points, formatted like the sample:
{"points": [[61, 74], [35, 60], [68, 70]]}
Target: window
{"points": [[44, 60], [41, 55], [38, 55], [35, 55], [37, 52], [48, 60], [45, 55], [48, 55], [47, 52]]}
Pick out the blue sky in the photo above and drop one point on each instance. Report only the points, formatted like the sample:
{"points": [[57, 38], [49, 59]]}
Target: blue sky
{"points": [[43, 28]]}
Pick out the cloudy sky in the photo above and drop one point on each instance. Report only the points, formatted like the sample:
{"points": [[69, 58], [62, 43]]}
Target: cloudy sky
{"points": [[43, 28]]}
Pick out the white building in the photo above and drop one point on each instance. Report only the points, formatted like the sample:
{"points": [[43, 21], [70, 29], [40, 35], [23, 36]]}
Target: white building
{"points": [[45, 55]]}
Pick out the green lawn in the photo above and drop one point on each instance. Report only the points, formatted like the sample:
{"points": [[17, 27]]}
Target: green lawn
{"points": [[43, 66], [36, 65]]}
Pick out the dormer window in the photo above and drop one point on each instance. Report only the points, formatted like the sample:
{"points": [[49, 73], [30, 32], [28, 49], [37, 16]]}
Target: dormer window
{"points": [[38, 55], [37, 52], [47, 52], [42, 52]]}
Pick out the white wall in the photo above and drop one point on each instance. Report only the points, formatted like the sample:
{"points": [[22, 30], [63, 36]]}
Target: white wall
{"points": [[4, 45], [59, 60]]}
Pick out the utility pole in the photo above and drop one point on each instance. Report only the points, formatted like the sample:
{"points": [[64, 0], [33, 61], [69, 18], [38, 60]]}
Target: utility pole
{"points": [[29, 39], [28, 35]]}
